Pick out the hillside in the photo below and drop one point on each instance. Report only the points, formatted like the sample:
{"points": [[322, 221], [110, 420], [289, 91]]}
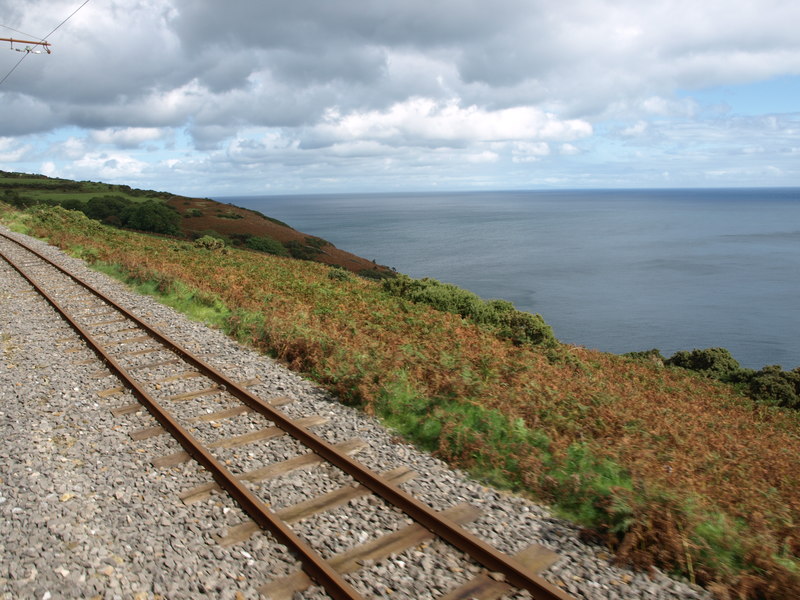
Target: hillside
{"points": [[196, 217], [666, 466]]}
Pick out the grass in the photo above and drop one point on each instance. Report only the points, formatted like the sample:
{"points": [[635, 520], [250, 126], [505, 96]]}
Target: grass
{"points": [[198, 306], [41, 188], [663, 467]]}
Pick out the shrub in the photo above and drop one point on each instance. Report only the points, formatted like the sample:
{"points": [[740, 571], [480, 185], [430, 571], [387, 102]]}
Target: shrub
{"points": [[516, 325], [17, 200], [654, 355], [717, 363], [510, 323], [771, 385], [317, 242], [339, 274], [210, 233], [302, 250], [209, 243], [442, 296], [266, 244], [229, 215], [375, 275], [72, 204], [263, 216], [152, 215], [101, 208]]}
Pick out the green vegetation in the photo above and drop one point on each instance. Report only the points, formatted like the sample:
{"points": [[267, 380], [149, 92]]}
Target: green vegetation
{"points": [[129, 210], [167, 214], [309, 249], [770, 385], [198, 306], [266, 218], [376, 275], [666, 466], [267, 245], [151, 216], [500, 315], [713, 362], [209, 242], [339, 274], [774, 386], [23, 189], [229, 215]]}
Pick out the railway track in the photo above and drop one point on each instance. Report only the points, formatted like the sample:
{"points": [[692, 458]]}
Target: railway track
{"points": [[211, 415]]}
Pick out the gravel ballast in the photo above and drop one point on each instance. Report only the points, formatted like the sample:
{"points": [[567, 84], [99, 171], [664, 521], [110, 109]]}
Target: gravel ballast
{"points": [[84, 514]]}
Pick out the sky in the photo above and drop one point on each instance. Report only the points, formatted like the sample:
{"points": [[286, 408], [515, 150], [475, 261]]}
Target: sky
{"points": [[248, 97]]}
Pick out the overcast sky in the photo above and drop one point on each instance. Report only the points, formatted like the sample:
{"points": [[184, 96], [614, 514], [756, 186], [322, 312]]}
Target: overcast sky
{"points": [[211, 98]]}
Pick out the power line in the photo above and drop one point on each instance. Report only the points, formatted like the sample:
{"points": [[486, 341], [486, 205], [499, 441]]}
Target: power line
{"points": [[18, 31], [65, 20], [24, 56], [14, 68]]}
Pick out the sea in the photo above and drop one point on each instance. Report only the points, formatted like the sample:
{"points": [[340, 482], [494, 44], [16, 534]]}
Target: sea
{"points": [[615, 270]]}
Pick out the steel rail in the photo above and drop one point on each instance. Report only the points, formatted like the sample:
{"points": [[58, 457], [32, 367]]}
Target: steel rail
{"points": [[316, 567], [515, 573]]}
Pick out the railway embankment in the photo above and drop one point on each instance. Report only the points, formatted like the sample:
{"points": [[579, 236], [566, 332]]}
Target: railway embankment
{"points": [[661, 466], [86, 514]]}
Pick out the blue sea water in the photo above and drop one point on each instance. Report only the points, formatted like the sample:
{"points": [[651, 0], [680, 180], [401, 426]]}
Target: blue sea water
{"points": [[616, 270]]}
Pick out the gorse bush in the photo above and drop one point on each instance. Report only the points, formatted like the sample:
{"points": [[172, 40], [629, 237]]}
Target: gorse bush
{"points": [[308, 249], [375, 274], [298, 249], [509, 323], [714, 362], [653, 355], [339, 274], [771, 385], [209, 242], [516, 325], [264, 243]]}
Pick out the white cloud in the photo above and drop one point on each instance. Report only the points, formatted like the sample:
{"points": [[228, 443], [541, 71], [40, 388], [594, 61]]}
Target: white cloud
{"points": [[72, 148], [11, 150], [483, 157], [292, 89], [128, 137], [421, 121], [635, 130], [569, 150], [529, 151], [113, 166]]}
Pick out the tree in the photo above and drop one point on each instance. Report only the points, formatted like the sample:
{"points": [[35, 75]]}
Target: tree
{"points": [[152, 216], [101, 208]]}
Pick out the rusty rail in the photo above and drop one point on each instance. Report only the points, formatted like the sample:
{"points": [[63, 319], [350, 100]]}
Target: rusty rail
{"points": [[515, 573]]}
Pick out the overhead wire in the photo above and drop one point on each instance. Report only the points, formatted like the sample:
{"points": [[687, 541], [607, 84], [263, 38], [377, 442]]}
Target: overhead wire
{"points": [[65, 20], [25, 55], [14, 68], [18, 31]]}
